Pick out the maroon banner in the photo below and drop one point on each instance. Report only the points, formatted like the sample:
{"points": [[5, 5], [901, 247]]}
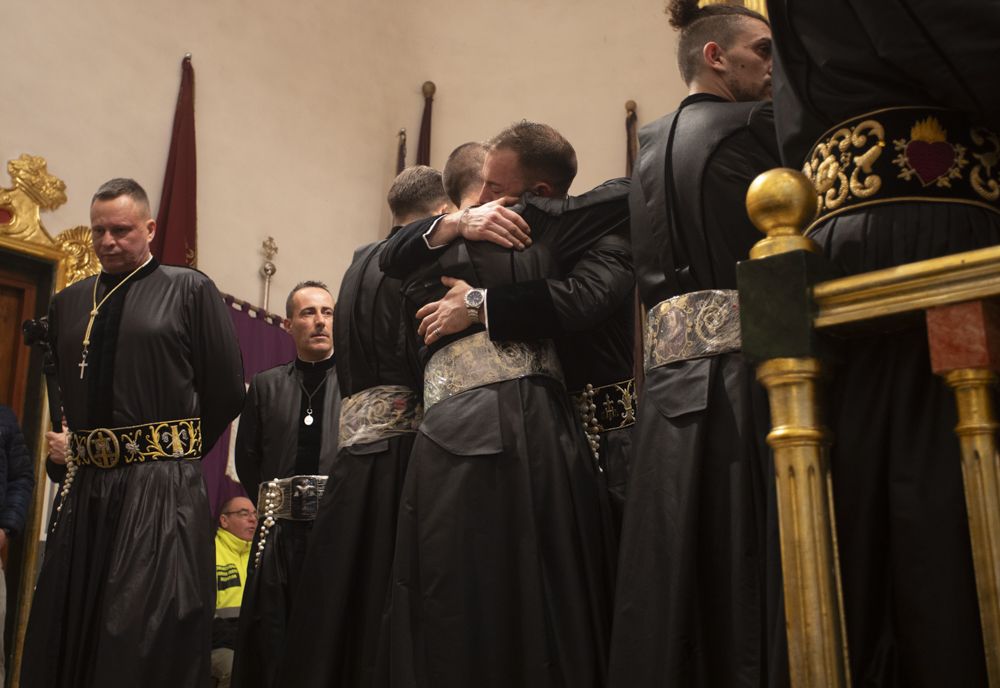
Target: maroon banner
{"points": [[176, 239], [401, 152], [424, 143], [631, 137], [264, 344]]}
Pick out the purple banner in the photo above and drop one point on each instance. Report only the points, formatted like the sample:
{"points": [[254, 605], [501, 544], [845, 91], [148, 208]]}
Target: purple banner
{"points": [[264, 345]]}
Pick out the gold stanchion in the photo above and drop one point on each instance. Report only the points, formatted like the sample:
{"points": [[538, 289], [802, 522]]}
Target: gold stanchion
{"points": [[780, 203], [817, 650], [976, 431]]}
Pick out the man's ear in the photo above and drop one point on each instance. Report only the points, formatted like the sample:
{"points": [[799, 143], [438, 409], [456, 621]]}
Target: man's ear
{"points": [[714, 56], [543, 189], [286, 325], [151, 227]]}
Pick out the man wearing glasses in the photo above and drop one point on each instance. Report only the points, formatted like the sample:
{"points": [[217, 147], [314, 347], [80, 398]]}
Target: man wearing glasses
{"points": [[237, 524]]}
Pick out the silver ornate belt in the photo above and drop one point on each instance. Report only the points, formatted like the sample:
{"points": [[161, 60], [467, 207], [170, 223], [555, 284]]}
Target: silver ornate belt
{"points": [[475, 361], [695, 325], [293, 499], [378, 412]]}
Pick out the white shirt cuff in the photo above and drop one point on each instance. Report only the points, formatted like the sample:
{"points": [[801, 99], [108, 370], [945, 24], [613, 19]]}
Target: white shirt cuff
{"points": [[427, 236], [486, 313]]}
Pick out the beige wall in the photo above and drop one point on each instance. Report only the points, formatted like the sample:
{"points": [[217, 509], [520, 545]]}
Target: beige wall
{"points": [[298, 104]]}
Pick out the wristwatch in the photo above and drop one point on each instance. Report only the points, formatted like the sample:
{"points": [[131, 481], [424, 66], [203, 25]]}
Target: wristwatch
{"points": [[474, 300]]}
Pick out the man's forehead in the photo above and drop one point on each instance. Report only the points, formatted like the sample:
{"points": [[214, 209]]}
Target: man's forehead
{"points": [[501, 156], [754, 29], [121, 206], [500, 165], [308, 297], [237, 503]]}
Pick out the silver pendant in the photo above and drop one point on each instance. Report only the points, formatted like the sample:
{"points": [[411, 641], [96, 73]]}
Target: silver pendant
{"points": [[308, 420]]}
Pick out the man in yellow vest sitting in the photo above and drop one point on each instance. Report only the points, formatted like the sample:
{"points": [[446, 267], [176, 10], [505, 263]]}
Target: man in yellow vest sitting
{"points": [[237, 524]]}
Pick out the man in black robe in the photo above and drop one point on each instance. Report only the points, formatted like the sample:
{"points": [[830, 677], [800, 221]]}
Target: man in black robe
{"points": [[285, 448], [503, 568], [903, 76], [690, 603], [150, 374], [336, 619], [586, 309]]}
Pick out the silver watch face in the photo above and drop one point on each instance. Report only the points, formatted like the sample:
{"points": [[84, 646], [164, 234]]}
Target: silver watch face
{"points": [[474, 298]]}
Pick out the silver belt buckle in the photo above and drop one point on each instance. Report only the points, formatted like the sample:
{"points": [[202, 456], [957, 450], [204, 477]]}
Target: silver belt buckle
{"points": [[306, 491]]}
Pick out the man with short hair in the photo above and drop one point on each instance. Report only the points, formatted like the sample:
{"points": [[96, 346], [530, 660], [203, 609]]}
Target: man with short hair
{"points": [[504, 559], [463, 173], [237, 524], [690, 607], [337, 616], [151, 375], [285, 447], [415, 193]]}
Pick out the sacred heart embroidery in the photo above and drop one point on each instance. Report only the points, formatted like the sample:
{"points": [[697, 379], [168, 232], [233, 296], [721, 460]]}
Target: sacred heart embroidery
{"points": [[930, 160], [928, 156]]}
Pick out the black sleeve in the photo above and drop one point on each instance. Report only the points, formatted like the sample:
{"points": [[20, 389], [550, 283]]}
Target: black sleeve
{"points": [[646, 246], [572, 225], [728, 175], [248, 444], [55, 471], [406, 251], [593, 289], [20, 477], [217, 362]]}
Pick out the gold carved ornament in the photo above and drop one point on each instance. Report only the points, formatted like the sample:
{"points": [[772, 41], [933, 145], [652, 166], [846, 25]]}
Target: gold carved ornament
{"points": [[848, 150], [984, 175], [81, 261], [34, 190]]}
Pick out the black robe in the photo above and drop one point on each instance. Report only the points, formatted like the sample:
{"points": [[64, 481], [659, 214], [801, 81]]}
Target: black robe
{"points": [[909, 590], [128, 569], [587, 310], [690, 602], [336, 618], [273, 443], [590, 314], [503, 565]]}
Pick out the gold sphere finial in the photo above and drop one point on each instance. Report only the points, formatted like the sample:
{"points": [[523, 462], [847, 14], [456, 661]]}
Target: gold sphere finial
{"points": [[781, 202], [429, 89]]}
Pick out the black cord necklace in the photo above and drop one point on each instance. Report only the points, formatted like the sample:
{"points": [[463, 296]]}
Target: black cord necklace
{"points": [[308, 419]]}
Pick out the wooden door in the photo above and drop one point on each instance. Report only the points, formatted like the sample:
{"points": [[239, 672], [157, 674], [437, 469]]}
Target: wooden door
{"points": [[17, 304]]}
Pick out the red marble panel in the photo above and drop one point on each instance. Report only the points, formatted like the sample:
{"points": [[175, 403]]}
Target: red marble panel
{"points": [[965, 335]]}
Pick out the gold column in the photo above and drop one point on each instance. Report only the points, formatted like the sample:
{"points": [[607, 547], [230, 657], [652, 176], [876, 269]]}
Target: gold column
{"points": [[976, 431], [780, 202], [964, 340]]}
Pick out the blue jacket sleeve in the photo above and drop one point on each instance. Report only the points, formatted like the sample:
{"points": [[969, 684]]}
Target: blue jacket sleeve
{"points": [[19, 473]]}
